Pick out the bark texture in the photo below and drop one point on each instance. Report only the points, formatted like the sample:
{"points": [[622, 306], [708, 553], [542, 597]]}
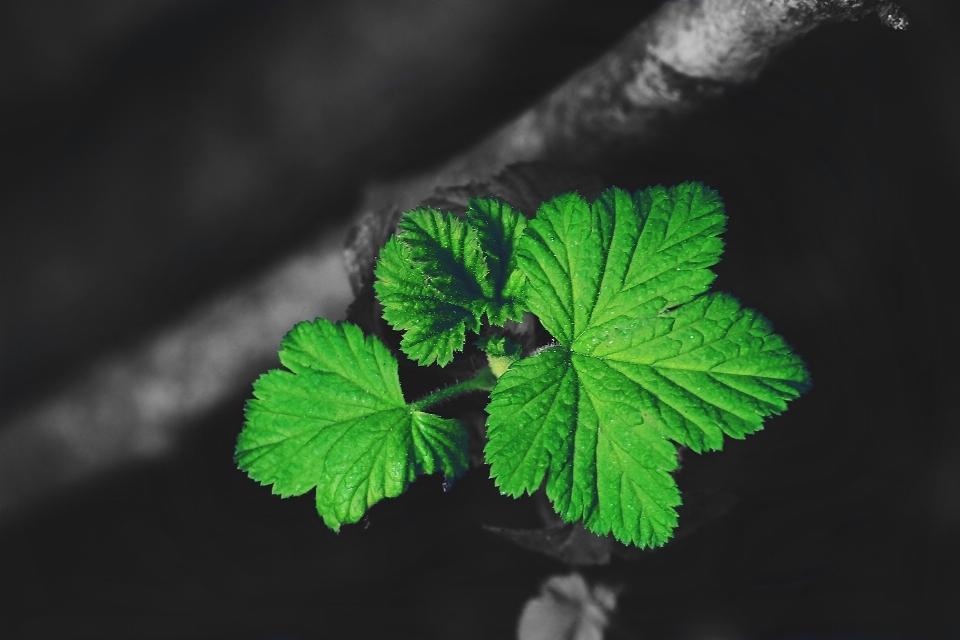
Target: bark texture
{"points": [[682, 58]]}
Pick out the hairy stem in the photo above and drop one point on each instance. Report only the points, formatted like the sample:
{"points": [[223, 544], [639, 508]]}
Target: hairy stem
{"points": [[483, 381]]}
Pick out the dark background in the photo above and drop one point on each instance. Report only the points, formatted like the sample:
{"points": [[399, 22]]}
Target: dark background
{"points": [[156, 152]]}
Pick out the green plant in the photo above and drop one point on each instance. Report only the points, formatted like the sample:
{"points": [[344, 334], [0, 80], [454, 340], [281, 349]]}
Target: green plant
{"points": [[642, 360]]}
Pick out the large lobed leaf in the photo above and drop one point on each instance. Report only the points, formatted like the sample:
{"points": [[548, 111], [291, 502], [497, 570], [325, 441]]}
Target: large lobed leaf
{"points": [[594, 415], [337, 421]]}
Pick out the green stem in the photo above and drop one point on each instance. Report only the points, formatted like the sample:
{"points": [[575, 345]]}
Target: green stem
{"points": [[483, 381]]}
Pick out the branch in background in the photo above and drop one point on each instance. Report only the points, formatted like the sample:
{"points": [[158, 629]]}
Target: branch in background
{"points": [[134, 406], [685, 55], [681, 58]]}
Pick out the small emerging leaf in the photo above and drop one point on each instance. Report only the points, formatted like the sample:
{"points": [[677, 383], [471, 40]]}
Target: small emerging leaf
{"points": [[338, 421], [500, 227], [440, 275], [501, 353], [431, 281]]}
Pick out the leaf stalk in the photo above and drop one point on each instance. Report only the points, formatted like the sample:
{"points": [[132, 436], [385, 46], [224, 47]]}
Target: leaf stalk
{"points": [[485, 380]]}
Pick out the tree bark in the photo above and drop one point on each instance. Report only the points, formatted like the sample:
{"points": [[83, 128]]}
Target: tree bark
{"points": [[682, 58]]}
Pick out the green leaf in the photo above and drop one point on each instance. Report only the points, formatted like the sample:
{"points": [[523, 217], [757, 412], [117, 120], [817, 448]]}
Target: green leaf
{"points": [[499, 228], [439, 276], [594, 415], [433, 319], [579, 424], [650, 252], [338, 421], [432, 282], [501, 353], [499, 346]]}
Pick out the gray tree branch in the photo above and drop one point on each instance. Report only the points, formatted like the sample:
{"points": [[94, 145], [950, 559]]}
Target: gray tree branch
{"points": [[133, 406], [682, 58]]}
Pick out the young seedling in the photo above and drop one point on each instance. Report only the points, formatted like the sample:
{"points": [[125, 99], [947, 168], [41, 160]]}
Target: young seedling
{"points": [[642, 359]]}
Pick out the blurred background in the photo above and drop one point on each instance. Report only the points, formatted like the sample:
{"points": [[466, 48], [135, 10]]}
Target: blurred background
{"points": [[155, 154]]}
